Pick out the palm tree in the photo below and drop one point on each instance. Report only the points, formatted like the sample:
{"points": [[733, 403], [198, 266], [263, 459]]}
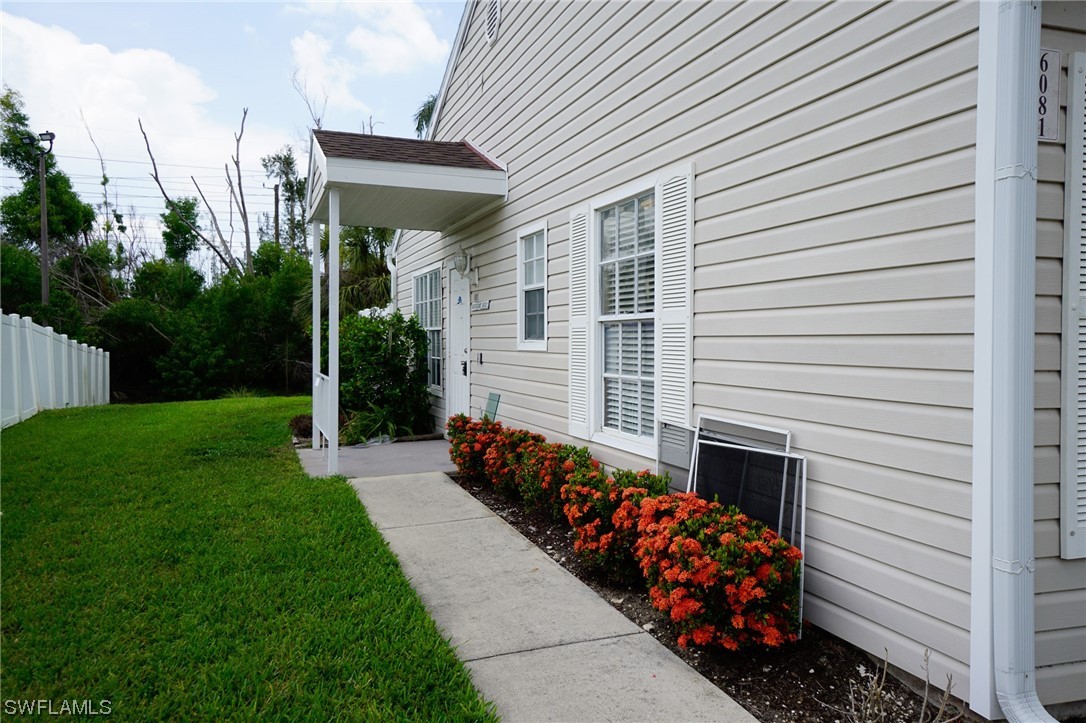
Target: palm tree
{"points": [[425, 115], [364, 280]]}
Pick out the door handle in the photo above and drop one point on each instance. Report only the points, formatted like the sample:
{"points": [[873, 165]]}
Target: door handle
{"points": [[464, 367]]}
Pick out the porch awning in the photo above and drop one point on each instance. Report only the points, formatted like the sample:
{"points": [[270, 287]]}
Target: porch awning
{"points": [[400, 183]]}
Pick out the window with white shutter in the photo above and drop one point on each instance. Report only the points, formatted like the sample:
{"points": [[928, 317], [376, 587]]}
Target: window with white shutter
{"points": [[630, 269], [427, 290], [1073, 414]]}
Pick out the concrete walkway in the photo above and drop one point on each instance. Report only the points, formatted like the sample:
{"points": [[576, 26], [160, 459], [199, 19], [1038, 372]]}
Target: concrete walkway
{"points": [[539, 643], [380, 460]]}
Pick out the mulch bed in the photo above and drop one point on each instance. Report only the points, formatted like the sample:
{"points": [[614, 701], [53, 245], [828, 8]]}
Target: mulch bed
{"points": [[808, 682]]}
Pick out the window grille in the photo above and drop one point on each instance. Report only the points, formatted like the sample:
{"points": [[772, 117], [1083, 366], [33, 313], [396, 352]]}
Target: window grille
{"points": [[428, 310]]}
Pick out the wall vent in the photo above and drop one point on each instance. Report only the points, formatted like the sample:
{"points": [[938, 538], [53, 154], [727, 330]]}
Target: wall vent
{"points": [[493, 18]]}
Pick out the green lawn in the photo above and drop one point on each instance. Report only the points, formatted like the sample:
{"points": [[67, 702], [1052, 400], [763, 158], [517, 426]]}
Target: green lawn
{"points": [[175, 560]]}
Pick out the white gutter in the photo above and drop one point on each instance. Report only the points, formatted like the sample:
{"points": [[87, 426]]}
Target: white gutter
{"points": [[1002, 650]]}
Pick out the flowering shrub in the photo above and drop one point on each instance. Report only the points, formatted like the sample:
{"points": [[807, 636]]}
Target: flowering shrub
{"points": [[541, 474], [591, 500], [469, 440], [503, 458], [722, 577]]}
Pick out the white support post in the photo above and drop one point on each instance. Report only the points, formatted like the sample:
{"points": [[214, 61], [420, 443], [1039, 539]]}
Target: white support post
{"points": [[105, 380], [333, 326], [315, 233]]}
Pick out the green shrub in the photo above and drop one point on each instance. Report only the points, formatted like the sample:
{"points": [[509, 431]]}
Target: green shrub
{"points": [[383, 366]]}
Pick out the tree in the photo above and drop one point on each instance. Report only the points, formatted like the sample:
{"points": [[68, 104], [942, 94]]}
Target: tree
{"points": [[181, 228], [282, 167], [20, 213], [217, 243], [424, 116]]}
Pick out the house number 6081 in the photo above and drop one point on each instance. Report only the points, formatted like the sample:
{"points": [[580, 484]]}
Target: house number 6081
{"points": [[1048, 96]]}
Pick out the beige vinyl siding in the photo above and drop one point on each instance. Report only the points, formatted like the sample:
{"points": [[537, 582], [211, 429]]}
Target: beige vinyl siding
{"points": [[834, 163], [833, 209], [1061, 600]]}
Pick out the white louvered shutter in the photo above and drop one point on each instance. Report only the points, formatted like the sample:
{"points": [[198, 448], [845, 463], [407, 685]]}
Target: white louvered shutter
{"points": [[578, 324], [1073, 413], [674, 192]]}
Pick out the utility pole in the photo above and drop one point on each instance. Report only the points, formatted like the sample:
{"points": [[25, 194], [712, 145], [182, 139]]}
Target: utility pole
{"points": [[42, 153], [277, 214], [44, 233]]}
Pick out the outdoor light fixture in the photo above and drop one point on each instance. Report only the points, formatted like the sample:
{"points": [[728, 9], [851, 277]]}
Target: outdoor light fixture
{"points": [[461, 262], [46, 137]]}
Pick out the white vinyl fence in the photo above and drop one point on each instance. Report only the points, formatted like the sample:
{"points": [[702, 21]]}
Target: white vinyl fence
{"points": [[40, 369]]}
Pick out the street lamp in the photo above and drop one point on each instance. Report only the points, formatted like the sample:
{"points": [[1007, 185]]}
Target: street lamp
{"points": [[30, 140]]}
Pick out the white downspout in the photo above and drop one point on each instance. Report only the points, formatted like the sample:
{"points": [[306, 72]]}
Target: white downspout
{"points": [[1014, 240]]}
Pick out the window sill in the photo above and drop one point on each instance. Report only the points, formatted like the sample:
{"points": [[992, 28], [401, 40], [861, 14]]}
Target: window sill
{"points": [[632, 445], [532, 345], [436, 391]]}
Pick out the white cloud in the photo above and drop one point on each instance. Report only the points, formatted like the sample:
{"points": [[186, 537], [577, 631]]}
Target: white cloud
{"points": [[395, 38], [380, 39], [113, 89], [323, 75]]}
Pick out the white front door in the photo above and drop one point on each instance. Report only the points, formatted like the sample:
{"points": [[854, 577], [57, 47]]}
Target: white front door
{"points": [[458, 376]]}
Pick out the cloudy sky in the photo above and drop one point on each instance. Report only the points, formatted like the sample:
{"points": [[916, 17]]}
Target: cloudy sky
{"points": [[187, 69]]}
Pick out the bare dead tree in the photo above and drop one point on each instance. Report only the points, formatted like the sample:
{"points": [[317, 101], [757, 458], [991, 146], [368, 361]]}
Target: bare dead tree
{"points": [[368, 127], [224, 252], [302, 89], [239, 197], [108, 224]]}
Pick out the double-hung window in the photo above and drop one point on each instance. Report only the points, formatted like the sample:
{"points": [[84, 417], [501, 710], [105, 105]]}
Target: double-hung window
{"points": [[532, 288], [630, 255], [428, 310], [627, 306]]}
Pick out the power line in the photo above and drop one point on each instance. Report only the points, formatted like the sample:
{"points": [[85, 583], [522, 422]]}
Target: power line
{"points": [[146, 163]]}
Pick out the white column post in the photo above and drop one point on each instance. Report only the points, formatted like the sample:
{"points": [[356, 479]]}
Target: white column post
{"points": [[315, 233], [105, 381], [333, 325]]}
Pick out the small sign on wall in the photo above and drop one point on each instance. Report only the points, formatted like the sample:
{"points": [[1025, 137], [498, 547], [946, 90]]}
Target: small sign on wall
{"points": [[1048, 95], [480, 305]]}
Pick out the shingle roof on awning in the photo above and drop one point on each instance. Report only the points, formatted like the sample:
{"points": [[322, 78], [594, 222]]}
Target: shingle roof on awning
{"points": [[400, 183], [402, 150]]}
